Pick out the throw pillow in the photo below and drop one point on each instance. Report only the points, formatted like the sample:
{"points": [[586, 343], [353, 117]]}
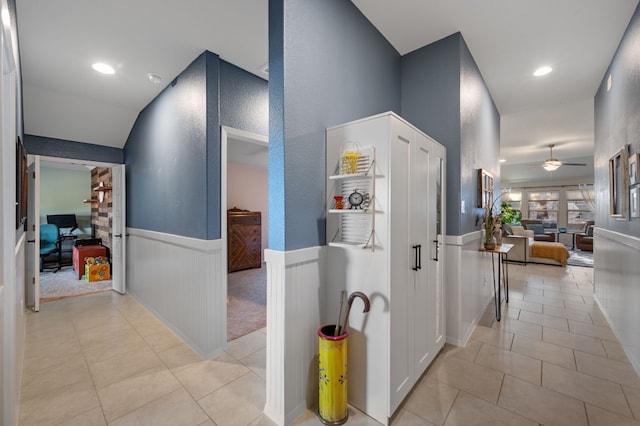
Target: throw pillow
{"points": [[518, 230], [537, 229]]}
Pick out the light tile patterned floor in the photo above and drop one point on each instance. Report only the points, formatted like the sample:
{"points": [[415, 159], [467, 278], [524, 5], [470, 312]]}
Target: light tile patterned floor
{"points": [[103, 359]]}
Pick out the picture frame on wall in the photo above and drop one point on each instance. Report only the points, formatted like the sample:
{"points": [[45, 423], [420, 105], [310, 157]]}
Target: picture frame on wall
{"points": [[634, 160], [619, 184], [634, 202], [485, 189], [22, 184]]}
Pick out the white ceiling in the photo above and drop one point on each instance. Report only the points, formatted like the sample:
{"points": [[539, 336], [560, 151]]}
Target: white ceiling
{"points": [[64, 98]]}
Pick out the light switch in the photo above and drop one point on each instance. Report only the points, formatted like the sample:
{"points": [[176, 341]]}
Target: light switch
{"points": [[462, 209]]}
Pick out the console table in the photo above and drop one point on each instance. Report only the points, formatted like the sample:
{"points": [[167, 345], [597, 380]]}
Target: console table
{"points": [[501, 253]]}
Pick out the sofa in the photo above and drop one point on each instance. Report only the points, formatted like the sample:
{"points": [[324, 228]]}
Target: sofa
{"points": [[527, 250], [537, 227], [584, 240]]}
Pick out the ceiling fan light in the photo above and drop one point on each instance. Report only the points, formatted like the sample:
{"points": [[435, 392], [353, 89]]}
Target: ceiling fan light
{"points": [[550, 167]]}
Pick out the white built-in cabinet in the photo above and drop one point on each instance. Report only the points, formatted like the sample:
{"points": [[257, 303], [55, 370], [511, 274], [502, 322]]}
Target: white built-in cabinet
{"points": [[398, 262]]}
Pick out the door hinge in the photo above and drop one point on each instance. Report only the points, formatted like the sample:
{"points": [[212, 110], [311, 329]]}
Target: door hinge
{"points": [[34, 174], [33, 280]]}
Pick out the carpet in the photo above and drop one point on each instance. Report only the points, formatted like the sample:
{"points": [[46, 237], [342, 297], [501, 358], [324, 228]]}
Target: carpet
{"points": [[580, 258], [247, 302], [65, 283]]}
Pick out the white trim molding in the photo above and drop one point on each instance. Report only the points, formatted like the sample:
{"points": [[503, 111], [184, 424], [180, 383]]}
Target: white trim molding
{"points": [[183, 282], [294, 314]]}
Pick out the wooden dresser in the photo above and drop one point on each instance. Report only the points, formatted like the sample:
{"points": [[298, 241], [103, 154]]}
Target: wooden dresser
{"points": [[244, 236]]}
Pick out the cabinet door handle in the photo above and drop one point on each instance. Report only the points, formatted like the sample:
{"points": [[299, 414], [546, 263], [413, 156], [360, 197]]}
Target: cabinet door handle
{"points": [[415, 260], [437, 249], [419, 256]]}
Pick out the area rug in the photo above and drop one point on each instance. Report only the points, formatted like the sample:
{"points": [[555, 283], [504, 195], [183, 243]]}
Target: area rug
{"points": [[65, 283], [247, 302], [580, 258]]}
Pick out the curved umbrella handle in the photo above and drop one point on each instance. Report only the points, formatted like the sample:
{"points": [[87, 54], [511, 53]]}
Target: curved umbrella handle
{"points": [[352, 297]]}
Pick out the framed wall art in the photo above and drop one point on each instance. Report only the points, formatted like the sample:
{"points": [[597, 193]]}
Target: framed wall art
{"points": [[619, 183], [634, 160], [485, 189], [634, 202], [22, 184]]}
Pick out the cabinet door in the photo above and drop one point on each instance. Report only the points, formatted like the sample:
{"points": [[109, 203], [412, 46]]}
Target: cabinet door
{"points": [[401, 258], [420, 238], [427, 227], [436, 258]]}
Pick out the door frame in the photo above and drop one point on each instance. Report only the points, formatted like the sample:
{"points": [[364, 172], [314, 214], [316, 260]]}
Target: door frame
{"points": [[227, 133], [34, 278]]}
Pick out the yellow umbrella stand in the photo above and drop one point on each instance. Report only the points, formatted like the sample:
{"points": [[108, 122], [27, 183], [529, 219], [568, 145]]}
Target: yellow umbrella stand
{"points": [[332, 384]]}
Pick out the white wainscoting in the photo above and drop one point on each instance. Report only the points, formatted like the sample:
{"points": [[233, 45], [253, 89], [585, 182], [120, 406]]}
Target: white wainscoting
{"points": [[469, 285], [617, 287], [295, 302], [183, 281], [13, 314]]}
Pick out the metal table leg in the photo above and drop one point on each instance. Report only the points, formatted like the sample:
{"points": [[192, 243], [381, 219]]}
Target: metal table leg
{"points": [[496, 286]]}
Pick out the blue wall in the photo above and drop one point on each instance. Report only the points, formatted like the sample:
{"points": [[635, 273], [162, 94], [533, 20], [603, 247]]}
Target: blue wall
{"points": [[617, 122], [173, 151], [166, 157], [479, 140], [39, 145], [444, 95], [327, 65], [244, 100]]}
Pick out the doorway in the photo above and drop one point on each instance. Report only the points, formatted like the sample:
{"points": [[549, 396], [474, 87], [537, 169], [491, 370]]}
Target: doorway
{"points": [[82, 215], [83, 200], [245, 199]]}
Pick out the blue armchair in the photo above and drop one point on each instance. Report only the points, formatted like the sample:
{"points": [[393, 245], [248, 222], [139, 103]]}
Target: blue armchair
{"points": [[50, 244]]}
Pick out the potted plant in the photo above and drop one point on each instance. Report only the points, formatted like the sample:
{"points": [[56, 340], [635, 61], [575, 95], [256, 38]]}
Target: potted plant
{"points": [[491, 226], [509, 214]]}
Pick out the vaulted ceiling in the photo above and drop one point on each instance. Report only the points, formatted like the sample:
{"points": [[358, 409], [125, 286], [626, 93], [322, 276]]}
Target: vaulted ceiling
{"points": [[65, 98]]}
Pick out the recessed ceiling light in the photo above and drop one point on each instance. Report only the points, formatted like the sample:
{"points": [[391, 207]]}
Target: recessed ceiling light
{"points": [[103, 68], [542, 71], [502, 160], [154, 78]]}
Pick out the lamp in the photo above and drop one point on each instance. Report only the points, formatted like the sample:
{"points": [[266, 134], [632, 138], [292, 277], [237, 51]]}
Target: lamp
{"points": [[100, 192], [550, 166]]}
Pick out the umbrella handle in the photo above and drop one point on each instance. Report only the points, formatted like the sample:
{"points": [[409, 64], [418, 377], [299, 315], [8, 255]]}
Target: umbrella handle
{"points": [[352, 297]]}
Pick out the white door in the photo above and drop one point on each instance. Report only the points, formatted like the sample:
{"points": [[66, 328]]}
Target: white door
{"points": [[33, 235], [402, 257], [119, 241], [420, 211], [436, 260]]}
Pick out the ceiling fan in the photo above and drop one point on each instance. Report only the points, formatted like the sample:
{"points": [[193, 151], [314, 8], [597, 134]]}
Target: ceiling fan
{"points": [[552, 164]]}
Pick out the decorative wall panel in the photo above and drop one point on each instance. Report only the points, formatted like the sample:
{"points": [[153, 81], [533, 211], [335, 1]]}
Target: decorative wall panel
{"points": [[183, 281]]}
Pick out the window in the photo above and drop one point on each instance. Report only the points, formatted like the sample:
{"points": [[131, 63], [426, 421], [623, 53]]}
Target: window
{"points": [[514, 199], [579, 207], [544, 206]]}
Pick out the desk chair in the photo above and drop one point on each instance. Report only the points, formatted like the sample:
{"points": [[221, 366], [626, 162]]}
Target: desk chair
{"points": [[50, 244]]}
